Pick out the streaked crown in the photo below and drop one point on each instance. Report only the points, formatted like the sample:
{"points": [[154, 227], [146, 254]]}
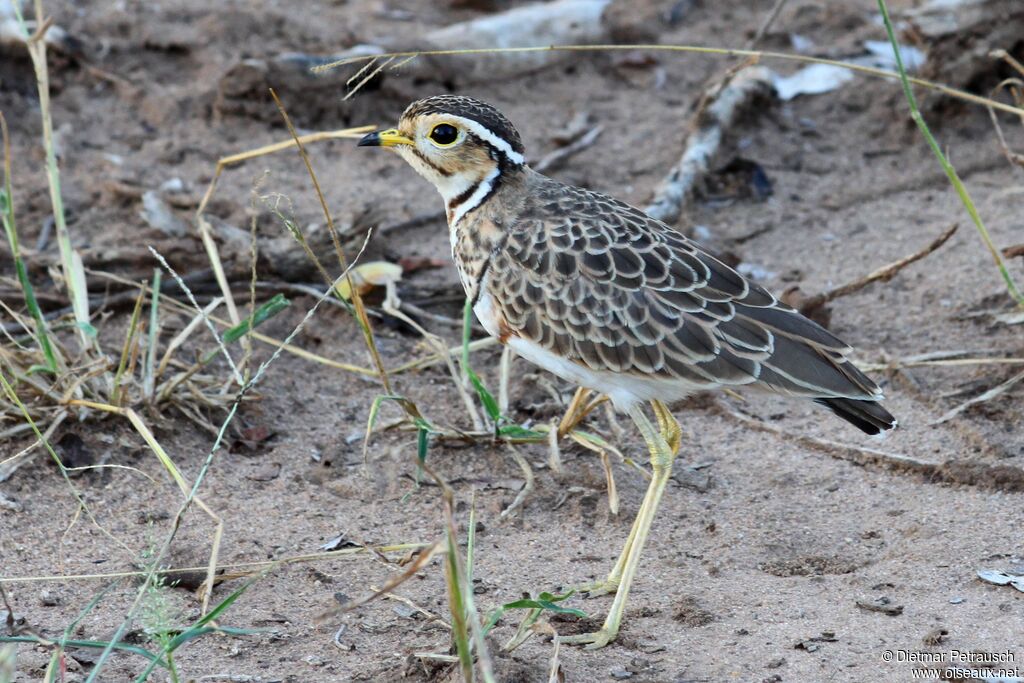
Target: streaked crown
{"points": [[481, 113]]}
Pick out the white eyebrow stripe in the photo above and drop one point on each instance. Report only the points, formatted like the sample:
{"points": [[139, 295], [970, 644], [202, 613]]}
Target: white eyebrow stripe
{"points": [[485, 133], [482, 190]]}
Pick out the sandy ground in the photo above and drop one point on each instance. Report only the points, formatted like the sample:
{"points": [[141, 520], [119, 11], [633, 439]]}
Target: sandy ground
{"points": [[757, 563]]}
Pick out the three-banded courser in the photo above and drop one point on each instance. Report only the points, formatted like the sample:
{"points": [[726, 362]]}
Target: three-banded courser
{"points": [[602, 295]]}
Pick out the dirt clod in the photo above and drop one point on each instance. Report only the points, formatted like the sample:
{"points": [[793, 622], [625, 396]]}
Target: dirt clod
{"points": [[691, 614]]}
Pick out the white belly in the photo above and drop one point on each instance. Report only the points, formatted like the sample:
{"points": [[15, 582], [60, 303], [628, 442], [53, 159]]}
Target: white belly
{"points": [[624, 390]]}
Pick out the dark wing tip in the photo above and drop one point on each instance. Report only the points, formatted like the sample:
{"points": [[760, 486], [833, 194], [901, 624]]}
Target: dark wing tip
{"points": [[868, 416]]}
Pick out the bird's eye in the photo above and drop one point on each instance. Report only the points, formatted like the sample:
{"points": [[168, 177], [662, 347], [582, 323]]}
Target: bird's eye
{"points": [[444, 134]]}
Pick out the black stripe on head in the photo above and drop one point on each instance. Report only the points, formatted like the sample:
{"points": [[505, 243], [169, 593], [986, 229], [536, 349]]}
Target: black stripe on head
{"points": [[472, 109], [422, 157]]}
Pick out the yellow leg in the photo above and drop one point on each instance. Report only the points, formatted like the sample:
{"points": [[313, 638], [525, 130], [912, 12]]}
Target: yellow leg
{"points": [[663, 446]]}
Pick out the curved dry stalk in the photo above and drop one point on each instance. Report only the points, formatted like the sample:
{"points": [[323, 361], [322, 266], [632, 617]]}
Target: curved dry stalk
{"points": [[392, 306], [172, 469], [527, 485], [357, 299], [655, 47], [206, 233], [256, 564], [982, 398]]}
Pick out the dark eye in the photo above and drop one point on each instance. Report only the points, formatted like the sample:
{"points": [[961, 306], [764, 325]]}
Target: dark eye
{"points": [[444, 134]]}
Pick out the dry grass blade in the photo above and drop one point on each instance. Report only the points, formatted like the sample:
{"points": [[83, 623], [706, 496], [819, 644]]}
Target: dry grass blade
{"points": [[151, 572], [357, 299], [1016, 88], [423, 558], [172, 469], [10, 465], [82, 506], [392, 306], [254, 565], [126, 349], [195, 304], [982, 398], [939, 359], [840, 450], [527, 471], [206, 233], [466, 627]]}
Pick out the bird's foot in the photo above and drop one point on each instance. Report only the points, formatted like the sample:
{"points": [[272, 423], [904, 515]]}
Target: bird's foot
{"points": [[595, 589], [594, 641]]}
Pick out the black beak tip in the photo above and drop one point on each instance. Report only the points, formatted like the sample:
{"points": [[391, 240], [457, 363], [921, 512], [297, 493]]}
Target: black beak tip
{"points": [[370, 140]]}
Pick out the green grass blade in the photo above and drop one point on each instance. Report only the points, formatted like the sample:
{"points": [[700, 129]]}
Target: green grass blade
{"points": [[11, 230], [954, 178], [544, 601], [42, 331], [92, 644], [71, 262], [88, 608], [457, 607], [518, 433], [195, 632], [226, 602], [467, 321], [200, 628], [264, 312], [486, 398], [126, 349], [544, 605]]}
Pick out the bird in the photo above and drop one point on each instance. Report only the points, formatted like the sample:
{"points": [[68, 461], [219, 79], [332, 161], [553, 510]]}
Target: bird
{"points": [[600, 294]]}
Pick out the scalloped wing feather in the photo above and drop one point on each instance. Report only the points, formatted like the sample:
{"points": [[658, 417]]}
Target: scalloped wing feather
{"points": [[600, 284]]}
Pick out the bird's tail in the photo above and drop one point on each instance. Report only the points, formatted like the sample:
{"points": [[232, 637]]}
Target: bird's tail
{"points": [[868, 416]]}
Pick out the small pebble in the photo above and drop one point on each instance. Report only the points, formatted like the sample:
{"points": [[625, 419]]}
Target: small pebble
{"points": [[173, 185], [957, 600]]}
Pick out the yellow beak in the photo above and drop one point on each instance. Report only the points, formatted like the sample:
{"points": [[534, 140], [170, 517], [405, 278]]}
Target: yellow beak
{"points": [[385, 138]]}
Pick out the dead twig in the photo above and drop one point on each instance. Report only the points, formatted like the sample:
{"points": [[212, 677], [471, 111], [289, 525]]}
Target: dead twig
{"points": [[814, 306], [888, 272], [560, 155], [982, 398], [996, 477], [412, 605], [766, 25], [527, 485], [1016, 88], [720, 105]]}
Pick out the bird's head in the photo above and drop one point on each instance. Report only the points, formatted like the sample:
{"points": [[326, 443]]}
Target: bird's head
{"points": [[462, 145]]}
